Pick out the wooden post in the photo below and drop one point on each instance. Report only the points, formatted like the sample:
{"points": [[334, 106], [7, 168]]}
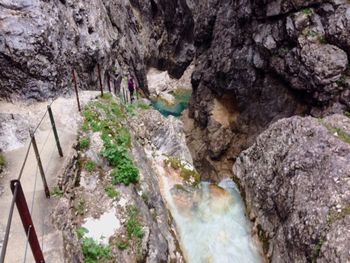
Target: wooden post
{"points": [[55, 131], [27, 221], [76, 88], [41, 169], [100, 79]]}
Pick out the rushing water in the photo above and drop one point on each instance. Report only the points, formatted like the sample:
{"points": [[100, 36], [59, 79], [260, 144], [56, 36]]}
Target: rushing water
{"points": [[181, 102], [211, 224]]}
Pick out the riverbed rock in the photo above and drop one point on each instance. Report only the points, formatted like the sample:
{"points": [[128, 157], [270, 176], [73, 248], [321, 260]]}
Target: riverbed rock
{"points": [[165, 133], [295, 180]]}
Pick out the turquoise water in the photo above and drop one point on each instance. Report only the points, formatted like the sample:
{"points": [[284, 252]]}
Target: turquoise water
{"points": [[211, 224], [181, 103]]}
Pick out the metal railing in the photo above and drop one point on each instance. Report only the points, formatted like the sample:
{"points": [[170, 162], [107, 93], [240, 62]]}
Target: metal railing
{"points": [[18, 195]]}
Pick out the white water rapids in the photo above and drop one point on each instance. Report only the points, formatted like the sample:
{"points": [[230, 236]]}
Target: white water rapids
{"points": [[211, 224]]}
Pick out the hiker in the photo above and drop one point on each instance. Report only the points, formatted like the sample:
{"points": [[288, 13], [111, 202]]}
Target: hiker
{"points": [[131, 87]]}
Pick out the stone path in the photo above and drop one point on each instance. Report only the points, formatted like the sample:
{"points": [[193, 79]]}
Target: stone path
{"points": [[66, 116]]}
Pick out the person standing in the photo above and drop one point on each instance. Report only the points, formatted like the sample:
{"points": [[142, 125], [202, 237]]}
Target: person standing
{"points": [[131, 87]]}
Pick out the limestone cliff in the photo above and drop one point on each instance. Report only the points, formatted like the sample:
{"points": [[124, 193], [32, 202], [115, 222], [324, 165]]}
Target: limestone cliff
{"points": [[260, 61], [42, 41], [296, 179]]}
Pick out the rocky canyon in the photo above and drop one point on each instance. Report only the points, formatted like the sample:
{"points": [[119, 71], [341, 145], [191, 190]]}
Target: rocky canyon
{"points": [[269, 109]]}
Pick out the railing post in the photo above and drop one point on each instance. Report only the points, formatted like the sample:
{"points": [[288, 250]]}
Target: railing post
{"points": [[9, 221], [99, 78], [55, 131], [109, 83], [37, 155], [27, 221], [76, 88]]}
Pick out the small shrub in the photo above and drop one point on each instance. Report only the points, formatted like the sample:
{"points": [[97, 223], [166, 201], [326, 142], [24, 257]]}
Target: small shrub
{"points": [[133, 225], [90, 166], [307, 11], [145, 197], [322, 39], [94, 252], [2, 162], [317, 250], [190, 176], [85, 127], [84, 143], [56, 192], [111, 192], [80, 207], [343, 135], [107, 96], [121, 245], [126, 173], [347, 114], [341, 81], [81, 231], [123, 137], [174, 162], [309, 33]]}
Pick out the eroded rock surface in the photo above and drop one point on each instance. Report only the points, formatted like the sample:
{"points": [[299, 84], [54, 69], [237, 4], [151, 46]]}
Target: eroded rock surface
{"points": [[41, 42], [296, 180], [265, 61]]}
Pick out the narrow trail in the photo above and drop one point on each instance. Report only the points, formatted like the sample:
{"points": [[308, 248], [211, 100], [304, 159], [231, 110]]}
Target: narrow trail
{"points": [[67, 118]]}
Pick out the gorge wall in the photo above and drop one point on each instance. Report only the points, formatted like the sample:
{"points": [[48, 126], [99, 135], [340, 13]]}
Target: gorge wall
{"points": [[256, 62], [42, 41], [259, 61]]}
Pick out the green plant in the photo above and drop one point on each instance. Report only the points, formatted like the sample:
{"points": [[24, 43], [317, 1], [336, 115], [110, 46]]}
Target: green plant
{"points": [[81, 231], [317, 250], [145, 197], [342, 135], [309, 33], [84, 143], [322, 39], [92, 251], [111, 192], [56, 192], [121, 245], [80, 207], [125, 172], [2, 162], [341, 81], [174, 162], [133, 225], [189, 175], [143, 106], [90, 166], [281, 52], [107, 96], [307, 11], [130, 109], [347, 114], [336, 215], [123, 137], [85, 127]]}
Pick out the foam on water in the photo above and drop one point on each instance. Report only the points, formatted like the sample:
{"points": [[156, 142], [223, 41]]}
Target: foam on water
{"points": [[215, 229]]}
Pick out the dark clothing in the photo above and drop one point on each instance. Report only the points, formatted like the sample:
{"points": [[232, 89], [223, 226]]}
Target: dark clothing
{"points": [[131, 88]]}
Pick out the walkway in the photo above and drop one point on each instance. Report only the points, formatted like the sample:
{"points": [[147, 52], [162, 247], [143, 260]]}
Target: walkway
{"points": [[66, 116]]}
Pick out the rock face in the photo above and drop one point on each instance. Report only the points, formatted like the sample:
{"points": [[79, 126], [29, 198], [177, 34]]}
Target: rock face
{"points": [[265, 60], [296, 181], [41, 42]]}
